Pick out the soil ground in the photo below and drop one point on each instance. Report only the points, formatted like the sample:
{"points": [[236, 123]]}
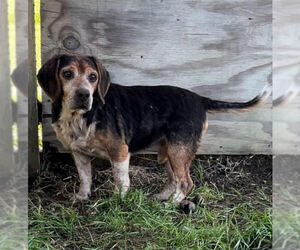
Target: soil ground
{"points": [[236, 208]]}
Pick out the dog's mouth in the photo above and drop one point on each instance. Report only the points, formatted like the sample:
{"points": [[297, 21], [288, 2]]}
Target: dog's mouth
{"points": [[81, 106]]}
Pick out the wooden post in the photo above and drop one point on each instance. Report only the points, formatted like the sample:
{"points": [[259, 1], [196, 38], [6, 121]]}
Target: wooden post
{"points": [[33, 152], [20, 79], [6, 152]]}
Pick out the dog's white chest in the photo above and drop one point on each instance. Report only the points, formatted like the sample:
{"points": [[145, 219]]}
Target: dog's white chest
{"points": [[73, 133]]}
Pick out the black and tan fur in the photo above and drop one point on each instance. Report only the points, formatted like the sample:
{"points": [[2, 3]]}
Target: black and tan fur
{"points": [[118, 121]]}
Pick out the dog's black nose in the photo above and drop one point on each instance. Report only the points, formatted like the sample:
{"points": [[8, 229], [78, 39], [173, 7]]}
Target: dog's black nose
{"points": [[82, 94]]}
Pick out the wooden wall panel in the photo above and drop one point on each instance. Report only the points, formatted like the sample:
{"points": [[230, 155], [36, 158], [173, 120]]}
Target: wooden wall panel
{"points": [[286, 76], [220, 49]]}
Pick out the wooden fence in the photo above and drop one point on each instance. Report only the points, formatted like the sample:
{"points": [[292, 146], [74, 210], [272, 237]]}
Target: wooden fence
{"points": [[220, 49], [6, 150], [33, 142], [14, 111]]}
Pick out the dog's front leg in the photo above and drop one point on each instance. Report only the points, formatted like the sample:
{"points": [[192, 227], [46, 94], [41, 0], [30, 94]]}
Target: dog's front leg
{"points": [[121, 175], [83, 164]]}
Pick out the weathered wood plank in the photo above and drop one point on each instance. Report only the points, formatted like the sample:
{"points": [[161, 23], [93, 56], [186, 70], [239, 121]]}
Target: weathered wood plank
{"points": [[33, 142], [286, 73], [220, 49], [6, 150], [20, 78], [286, 120]]}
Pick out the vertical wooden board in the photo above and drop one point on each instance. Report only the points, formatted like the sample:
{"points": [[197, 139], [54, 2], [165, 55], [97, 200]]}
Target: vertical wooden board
{"points": [[286, 75], [33, 143], [20, 78], [220, 49], [6, 150]]}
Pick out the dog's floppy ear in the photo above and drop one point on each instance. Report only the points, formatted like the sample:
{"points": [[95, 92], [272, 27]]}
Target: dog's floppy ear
{"points": [[48, 78], [103, 79]]}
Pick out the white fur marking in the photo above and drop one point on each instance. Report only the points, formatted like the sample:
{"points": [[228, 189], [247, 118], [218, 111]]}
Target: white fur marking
{"points": [[121, 176], [72, 132], [85, 182], [178, 196]]}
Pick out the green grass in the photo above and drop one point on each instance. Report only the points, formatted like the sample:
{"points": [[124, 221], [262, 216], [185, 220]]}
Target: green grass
{"points": [[13, 211], [286, 229], [227, 220], [136, 223], [13, 226]]}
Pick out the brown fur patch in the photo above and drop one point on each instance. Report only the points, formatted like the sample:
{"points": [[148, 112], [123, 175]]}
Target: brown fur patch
{"points": [[180, 158], [116, 148], [162, 155], [204, 128]]}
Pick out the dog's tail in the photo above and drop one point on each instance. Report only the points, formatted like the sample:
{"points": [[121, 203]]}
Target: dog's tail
{"points": [[214, 106]]}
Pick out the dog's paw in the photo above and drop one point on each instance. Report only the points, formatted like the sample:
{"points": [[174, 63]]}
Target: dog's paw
{"points": [[79, 197], [160, 197], [187, 206]]}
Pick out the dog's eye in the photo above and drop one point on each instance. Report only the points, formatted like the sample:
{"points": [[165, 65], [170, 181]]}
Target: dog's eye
{"points": [[68, 74], [92, 77]]}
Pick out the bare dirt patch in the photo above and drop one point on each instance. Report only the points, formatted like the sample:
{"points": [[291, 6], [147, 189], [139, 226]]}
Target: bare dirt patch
{"points": [[238, 176]]}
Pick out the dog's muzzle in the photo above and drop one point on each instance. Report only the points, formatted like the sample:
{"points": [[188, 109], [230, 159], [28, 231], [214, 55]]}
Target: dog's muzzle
{"points": [[81, 99]]}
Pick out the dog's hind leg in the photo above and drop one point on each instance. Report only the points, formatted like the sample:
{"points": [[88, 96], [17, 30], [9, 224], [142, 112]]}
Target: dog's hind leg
{"points": [[180, 159], [170, 188]]}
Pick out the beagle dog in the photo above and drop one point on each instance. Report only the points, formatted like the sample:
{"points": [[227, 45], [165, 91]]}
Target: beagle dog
{"points": [[93, 117]]}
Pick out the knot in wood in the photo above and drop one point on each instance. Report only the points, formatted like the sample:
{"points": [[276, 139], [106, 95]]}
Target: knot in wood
{"points": [[71, 43]]}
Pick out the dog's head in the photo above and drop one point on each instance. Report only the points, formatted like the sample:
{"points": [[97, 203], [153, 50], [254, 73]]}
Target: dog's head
{"points": [[74, 79]]}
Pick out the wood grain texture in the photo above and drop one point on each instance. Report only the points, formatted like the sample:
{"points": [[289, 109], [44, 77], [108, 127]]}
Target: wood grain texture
{"points": [[20, 79], [220, 49], [286, 73], [6, 149]]}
